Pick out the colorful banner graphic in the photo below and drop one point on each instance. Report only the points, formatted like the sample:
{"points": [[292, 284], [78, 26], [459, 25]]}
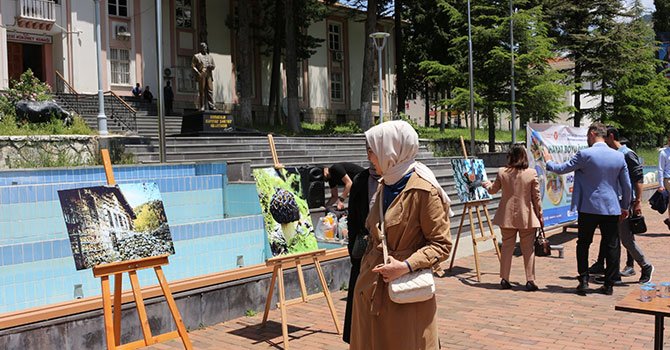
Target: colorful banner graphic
{"points": [[555, 190]]}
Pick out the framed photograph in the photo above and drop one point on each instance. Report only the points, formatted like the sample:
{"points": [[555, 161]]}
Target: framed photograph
{"points": [[285, 212], [469, 174], [115, 223]]}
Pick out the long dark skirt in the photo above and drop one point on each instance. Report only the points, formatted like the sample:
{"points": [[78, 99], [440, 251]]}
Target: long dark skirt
{"points": [[355, 269]]}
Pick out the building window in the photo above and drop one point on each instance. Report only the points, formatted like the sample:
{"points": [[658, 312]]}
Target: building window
{"points": [[120, 60], [184, 12], [185, 79], [336, 86], [118, 8], [335, 37]]}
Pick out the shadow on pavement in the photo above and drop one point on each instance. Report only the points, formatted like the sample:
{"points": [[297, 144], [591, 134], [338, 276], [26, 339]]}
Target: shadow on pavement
{"points": [[271, 333]]}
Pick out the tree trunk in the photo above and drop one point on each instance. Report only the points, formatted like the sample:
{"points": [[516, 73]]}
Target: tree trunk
{"points": [[292, 68], [244, 61], [491, 117], [578, 95], [449, 107], [442, 114], [276, 64], [399, 57], [426, 101], [368, 67]]}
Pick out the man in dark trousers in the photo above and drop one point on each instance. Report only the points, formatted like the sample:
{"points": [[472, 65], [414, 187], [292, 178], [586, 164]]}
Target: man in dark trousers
{"points": [[340, 174], [633, 251], [602, 195], [168, 95]]}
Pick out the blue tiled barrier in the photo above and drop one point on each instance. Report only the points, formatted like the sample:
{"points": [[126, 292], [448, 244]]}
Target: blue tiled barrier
{"points": [[212, 223]]}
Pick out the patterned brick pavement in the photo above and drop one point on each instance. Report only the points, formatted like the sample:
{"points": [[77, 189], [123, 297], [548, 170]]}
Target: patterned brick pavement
{"points": [[476, 315]]}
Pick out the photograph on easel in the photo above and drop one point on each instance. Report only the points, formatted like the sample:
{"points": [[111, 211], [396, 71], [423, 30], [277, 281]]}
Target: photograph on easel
{"points": [[115, 223], [285, 213], [469, 174]]}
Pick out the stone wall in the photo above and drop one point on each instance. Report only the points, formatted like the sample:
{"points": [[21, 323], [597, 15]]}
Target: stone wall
{"points": [[40, 151]]}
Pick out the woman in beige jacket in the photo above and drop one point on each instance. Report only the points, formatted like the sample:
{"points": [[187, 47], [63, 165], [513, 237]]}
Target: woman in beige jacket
{"points": [[416, 225], [520, 210]]}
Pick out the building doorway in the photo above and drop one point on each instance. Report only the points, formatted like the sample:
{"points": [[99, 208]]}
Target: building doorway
{"points": [[21, 57]]}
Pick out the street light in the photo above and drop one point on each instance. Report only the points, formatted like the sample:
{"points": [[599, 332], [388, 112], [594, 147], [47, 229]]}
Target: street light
{"points": [[472, 87], [512, 88], [379, 39], [161, 96], [102, 118]]}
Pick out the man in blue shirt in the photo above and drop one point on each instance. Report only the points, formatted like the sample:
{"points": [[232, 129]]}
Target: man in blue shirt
{"points": [[601, 179]]}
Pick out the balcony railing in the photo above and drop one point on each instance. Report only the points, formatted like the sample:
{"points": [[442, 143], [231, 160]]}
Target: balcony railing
{"points": [[37, 10]]}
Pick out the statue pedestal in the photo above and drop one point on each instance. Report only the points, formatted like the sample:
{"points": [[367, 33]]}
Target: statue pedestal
{"points": [[207, 123]]}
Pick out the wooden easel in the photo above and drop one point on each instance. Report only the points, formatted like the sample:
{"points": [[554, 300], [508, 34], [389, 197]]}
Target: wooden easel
{"points": [[113, 323], [281, 263], [469, 208]]}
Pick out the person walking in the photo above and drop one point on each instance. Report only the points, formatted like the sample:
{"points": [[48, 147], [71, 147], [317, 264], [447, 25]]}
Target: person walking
{"points": [[168, 95], [362, 192], [416, 228], [519, 211], [633, 250], [664, 175], [601, 195]]}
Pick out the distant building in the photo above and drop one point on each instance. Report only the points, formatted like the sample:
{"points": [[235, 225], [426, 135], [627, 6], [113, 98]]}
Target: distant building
{"points": [[57, 37]]}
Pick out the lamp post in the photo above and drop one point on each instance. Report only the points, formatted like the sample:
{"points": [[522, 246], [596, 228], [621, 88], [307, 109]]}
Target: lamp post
{"points": [[159, 103], [512, 88], [102, 118], [379, 39], [472, 87]]}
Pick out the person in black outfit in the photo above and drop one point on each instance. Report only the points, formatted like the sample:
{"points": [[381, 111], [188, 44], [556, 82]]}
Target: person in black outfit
{"points": [[362, 190], [147, 96], [340, 174], [168, 95]]}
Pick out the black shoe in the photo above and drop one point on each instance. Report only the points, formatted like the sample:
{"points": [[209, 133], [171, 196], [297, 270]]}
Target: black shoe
{"points": [[601, 280], [531, 286], [645, 275], [504, 284], [606, 289], [627, 271], [583, 285], [667, 223], [597, 269]]}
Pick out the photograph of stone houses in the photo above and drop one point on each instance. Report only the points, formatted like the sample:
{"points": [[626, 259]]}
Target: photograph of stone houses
{"points": [[115, 223]]}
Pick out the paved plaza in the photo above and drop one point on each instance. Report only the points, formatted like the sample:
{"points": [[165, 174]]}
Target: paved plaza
{"points": [[478, 315]]}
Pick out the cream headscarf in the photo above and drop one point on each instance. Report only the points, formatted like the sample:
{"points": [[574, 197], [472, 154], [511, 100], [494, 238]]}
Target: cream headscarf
{"points": [[396, 144]]}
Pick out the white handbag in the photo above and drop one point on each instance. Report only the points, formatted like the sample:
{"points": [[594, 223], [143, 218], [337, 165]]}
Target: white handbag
{"points": [[412, 287]]}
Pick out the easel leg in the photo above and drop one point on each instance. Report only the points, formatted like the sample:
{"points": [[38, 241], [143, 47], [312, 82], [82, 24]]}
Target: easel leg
{"points": [[495, 240], [268, 300], [458, 238], [141, 311], [473, 235], [181, 329], [118, 287], [282, 306], [326, 293], [301, 279], [107, 312]]}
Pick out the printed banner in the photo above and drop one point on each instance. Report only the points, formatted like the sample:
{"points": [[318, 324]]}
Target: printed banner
{"points": [[555, 190]]}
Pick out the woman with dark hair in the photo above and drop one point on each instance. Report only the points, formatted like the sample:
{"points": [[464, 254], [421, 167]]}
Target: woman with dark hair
{"points": [[520, 210]]}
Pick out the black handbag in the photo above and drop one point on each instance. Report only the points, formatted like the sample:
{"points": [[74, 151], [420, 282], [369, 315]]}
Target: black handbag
{"points": [[542, 246], [637, 224], [360, 245]]}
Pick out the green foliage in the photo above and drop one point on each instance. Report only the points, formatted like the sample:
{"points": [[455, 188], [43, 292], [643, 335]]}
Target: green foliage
{"points": [[148, 216], [46, 160], [28, 87], [455, 133], [10, 127], [250, 313]]}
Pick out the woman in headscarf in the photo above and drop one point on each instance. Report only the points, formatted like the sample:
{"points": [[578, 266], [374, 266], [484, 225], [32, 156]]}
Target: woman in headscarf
{"points": [[416, 225]]}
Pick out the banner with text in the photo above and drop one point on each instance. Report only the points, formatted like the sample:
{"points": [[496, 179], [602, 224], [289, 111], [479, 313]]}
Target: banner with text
{"points": [[555, 190]]}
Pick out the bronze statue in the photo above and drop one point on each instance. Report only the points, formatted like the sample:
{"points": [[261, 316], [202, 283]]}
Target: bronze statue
{"points": [[203, 65]]}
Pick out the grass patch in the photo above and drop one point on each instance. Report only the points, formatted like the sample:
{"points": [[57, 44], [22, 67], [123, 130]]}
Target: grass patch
{"points": [[649, 156], [10, 127], [480, 134]]}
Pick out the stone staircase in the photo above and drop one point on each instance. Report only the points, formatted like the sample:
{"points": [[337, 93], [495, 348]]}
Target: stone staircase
{"points": [[120, 120]]}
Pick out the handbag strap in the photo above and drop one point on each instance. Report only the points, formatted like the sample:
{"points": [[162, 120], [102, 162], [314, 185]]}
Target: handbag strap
{"points": [[540, 232], [385, 248]]}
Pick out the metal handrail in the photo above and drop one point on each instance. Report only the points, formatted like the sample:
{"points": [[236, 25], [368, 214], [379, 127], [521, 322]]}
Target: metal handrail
{"points": [[129, 123], [62, 78]]}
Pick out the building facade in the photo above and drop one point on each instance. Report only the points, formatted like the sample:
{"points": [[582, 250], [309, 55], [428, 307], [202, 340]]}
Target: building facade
{"points": [[56, 39]]}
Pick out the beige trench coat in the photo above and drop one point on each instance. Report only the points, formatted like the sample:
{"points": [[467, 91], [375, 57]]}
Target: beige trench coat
{"points": [[520, 206], [417, 229]]}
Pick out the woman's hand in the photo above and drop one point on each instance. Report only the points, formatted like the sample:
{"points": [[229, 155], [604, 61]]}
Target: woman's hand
{"points": [[392, 270]]}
